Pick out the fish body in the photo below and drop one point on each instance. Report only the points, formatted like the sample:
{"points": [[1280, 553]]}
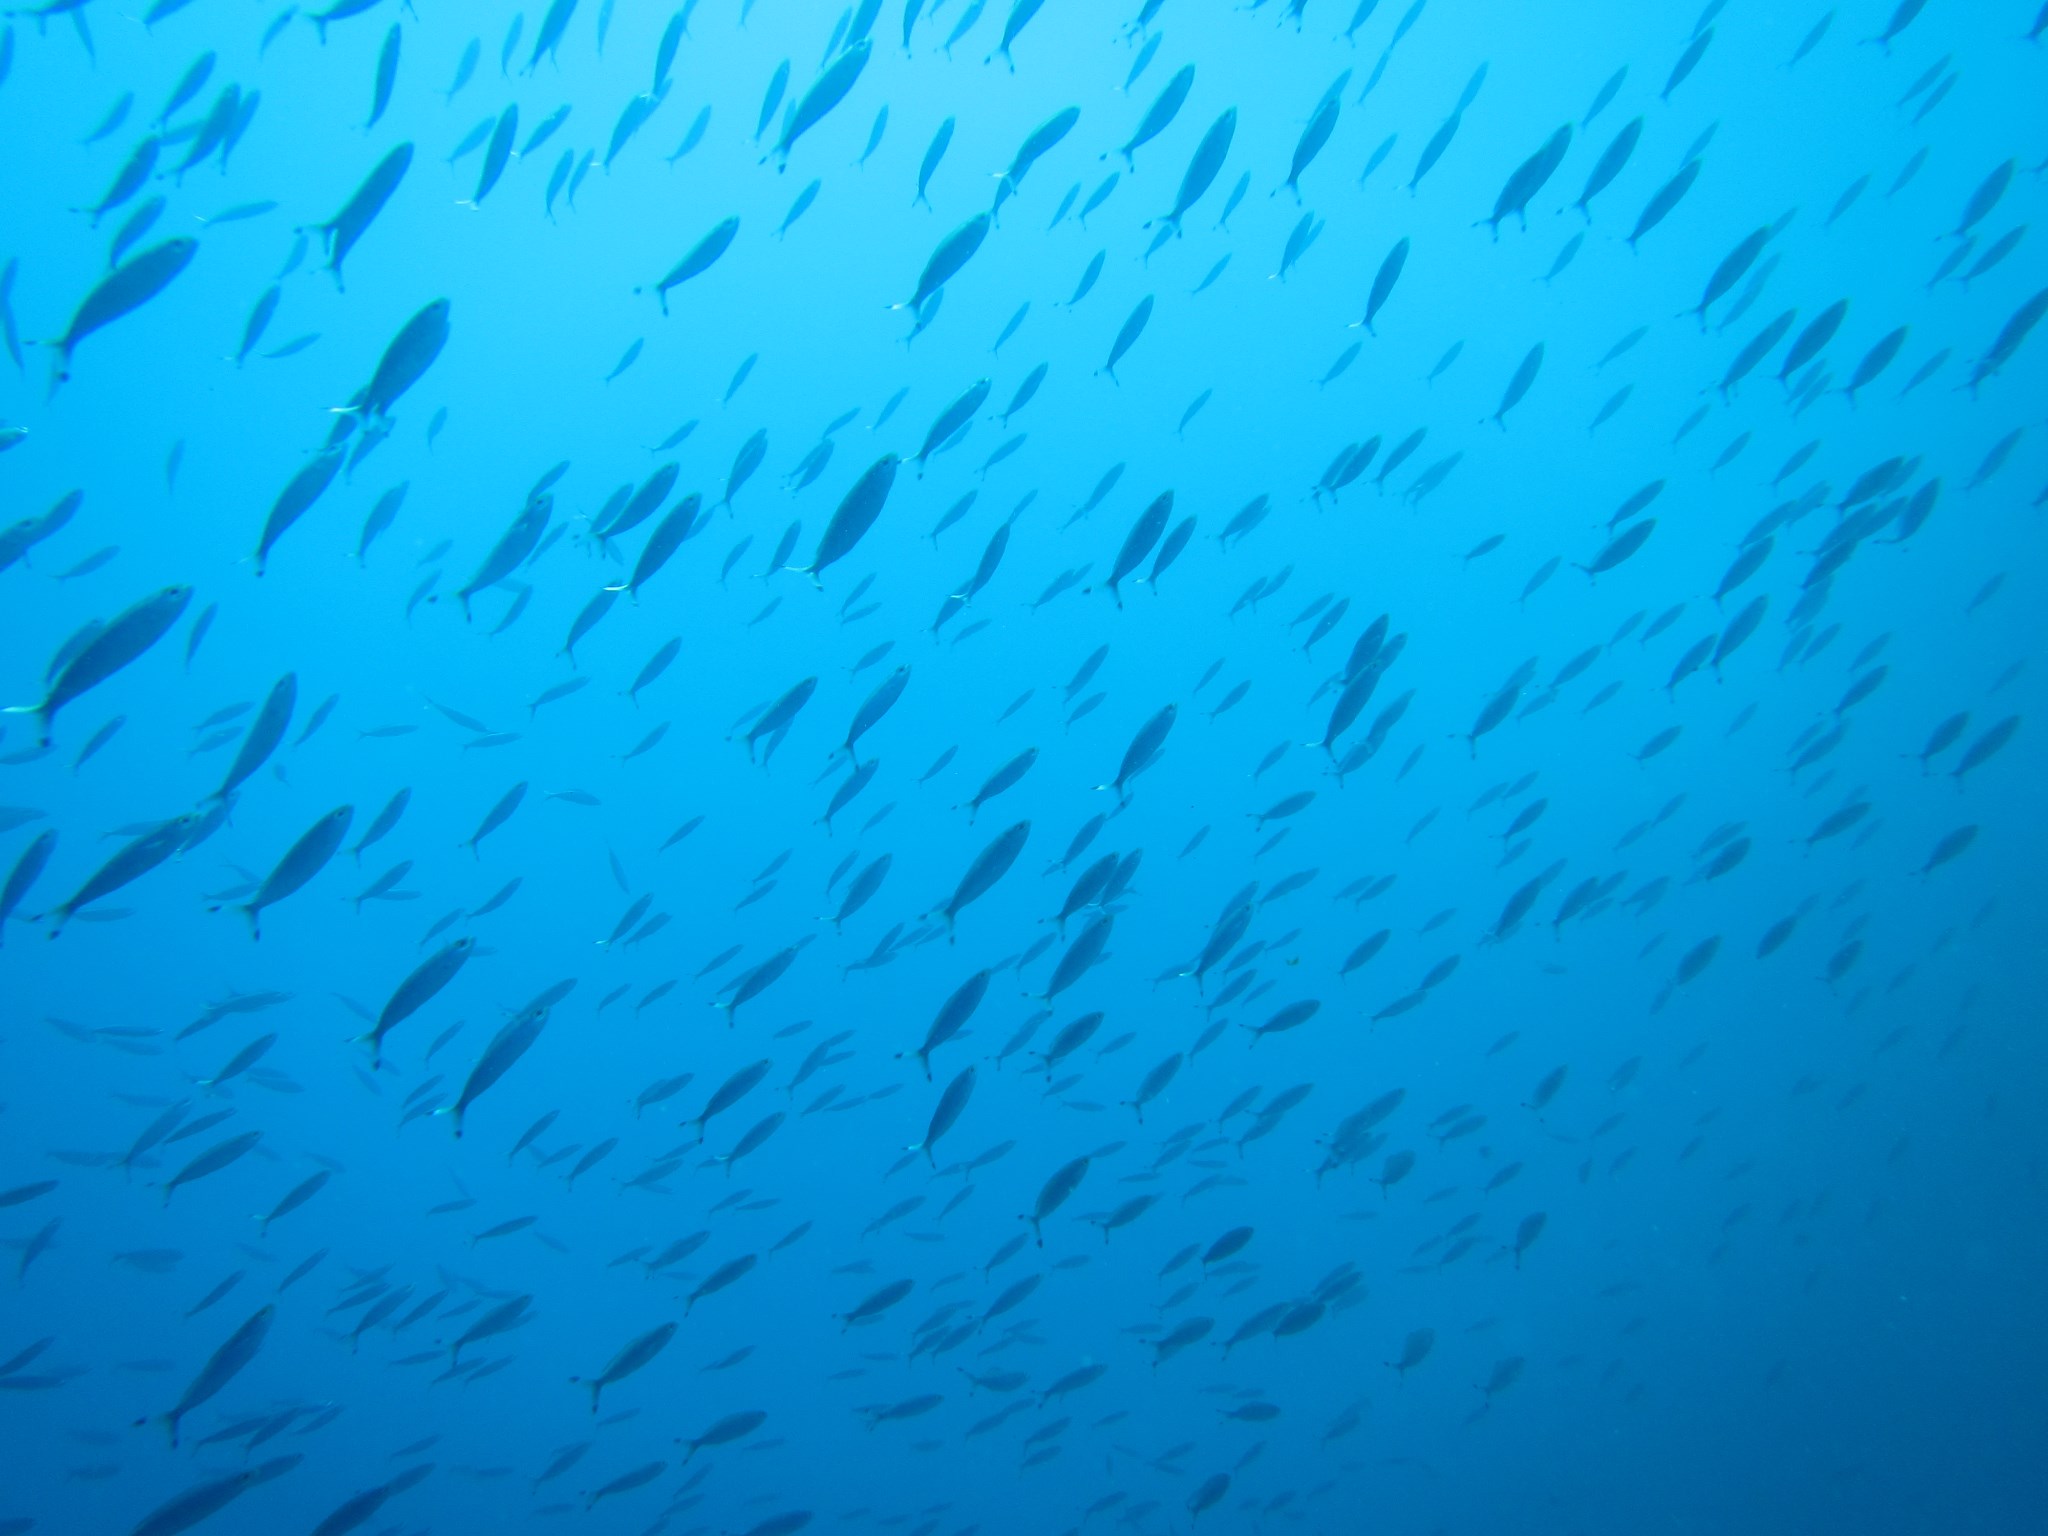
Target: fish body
{"points": [[826, 92], [633, 1357], [1165, 107], [856, 513], [506, 1047], [263, 736], [117, 644], [121, 292], [1139, 541], [987, 867], [226, 1362], [512, 550], [417, 990], [1127, 337], [341, 233], [300, 863], [1202, 169], [950, 255], [411, 353], [699, 259], [1528, 179]]}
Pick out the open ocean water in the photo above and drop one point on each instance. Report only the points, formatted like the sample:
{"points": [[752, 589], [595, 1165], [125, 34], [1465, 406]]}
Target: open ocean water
{"points": [[1007, 767]]}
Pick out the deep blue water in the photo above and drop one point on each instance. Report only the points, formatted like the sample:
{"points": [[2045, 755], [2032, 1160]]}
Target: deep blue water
{"points": [[1611, 1103]]}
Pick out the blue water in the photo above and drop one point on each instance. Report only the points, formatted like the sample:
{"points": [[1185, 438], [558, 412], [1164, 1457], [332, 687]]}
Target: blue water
{"points": [[1612, 1101]]}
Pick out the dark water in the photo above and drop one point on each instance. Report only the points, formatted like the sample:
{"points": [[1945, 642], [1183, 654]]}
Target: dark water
{"points": [[1610, 1101]]}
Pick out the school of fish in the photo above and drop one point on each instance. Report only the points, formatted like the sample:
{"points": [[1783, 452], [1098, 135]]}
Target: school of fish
{"points": [[961, 767]]}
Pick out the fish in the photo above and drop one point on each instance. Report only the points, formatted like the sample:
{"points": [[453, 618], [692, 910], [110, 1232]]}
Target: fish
{"points": [[631, 1358], [1202, 169], [1160, 115], [1528, 179], [420, 987], [184, 1510], [985, 870], [832, 87], [504, 1051], [226, 1362], [145, 852], [947, 258], [1665, 199], [1127, 337], [116, 645], [855, 515], [405, 361], [514, 548], [299, 864], [724, 1431], [1383, 282], [699, 259], [1037, 144], [360, 1508], [127, 288], [1058, 1188], [341, 234]]}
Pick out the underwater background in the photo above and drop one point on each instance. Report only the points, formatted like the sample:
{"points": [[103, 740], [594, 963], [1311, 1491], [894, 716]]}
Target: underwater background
{"points": [[1018, 767]]}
